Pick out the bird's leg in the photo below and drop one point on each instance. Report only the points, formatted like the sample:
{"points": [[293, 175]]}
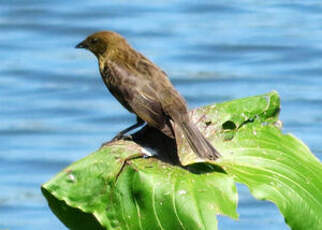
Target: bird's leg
{"points": [[127, 160], [121, 135]]}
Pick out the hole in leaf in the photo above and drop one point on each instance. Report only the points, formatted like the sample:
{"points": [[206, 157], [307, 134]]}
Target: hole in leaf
{"points": [[207, 123], [229, 125]]}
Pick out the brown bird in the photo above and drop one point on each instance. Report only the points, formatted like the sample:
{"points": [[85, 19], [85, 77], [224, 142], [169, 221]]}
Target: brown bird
{"points": [[144, 89]]}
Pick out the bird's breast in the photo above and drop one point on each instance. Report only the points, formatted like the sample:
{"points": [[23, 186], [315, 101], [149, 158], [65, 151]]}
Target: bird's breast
{"points": [[117, 84]]}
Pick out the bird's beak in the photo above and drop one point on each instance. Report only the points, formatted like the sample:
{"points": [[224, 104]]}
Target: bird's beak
{"points": [[82, 45]]}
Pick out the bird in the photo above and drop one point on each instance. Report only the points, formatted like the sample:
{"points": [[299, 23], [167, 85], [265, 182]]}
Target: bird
{"points": [[144, 89]]}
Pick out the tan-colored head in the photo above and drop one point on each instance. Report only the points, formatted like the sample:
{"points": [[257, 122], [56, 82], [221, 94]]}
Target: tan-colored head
{"points": [[102, 42]]}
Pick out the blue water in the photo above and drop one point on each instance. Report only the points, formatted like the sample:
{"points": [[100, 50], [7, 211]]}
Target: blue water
{"points": [[54, 108]]}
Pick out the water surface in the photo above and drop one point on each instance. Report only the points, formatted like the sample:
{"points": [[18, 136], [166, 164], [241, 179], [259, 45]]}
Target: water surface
{"points": [[54, 108]]}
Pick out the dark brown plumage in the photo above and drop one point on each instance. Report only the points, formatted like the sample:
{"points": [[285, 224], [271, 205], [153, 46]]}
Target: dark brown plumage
{"points": [[144, 89]]}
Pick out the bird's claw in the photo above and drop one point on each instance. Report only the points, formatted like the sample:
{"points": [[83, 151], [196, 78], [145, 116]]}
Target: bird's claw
{"points": [[122, 137], [127, 160], [117, 138]]}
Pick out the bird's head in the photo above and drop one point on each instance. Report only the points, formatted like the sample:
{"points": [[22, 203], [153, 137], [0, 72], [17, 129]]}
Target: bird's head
{"points": [[102, 43]]}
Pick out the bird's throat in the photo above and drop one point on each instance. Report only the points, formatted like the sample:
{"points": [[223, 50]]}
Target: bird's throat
{"points": [[101, 64]]}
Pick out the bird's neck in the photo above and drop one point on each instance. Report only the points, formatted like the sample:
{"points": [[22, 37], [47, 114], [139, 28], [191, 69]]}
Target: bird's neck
{"points": [[117, 56], [102, 63], [104, 59]]}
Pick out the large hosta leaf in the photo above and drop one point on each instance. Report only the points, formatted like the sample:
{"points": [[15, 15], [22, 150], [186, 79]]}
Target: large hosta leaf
{"points": [[94, 193], [148, 194], [281, 169], [275, 166]]}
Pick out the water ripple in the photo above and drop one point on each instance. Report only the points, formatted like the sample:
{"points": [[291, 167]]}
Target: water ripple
{"points": [[54, 108]]}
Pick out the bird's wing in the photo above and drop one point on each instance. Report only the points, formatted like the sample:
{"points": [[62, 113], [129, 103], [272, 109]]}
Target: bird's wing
{"points": [[172, 103], [137, 93]]}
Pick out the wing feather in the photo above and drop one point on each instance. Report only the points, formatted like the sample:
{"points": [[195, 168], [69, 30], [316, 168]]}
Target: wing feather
{"points": [[137, 94]]}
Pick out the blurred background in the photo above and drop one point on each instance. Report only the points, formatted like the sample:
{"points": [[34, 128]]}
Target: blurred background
{"points": [[54, 108]]}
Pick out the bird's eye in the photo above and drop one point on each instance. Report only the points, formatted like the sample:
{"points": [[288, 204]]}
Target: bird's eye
{"points": [[94, 40]]}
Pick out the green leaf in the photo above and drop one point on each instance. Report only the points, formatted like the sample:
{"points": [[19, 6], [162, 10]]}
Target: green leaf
{"points": [[278, 168], [275, 166], [98, 193], [148, 194], [221, 122]]}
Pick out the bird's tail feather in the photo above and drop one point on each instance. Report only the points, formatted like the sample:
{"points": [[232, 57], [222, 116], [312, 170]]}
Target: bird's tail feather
{"points": [[197, 141]]}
